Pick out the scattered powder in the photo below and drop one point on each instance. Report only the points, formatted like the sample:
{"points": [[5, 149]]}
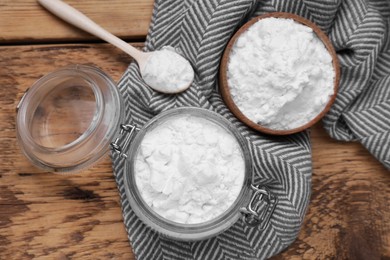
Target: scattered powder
{"points": [[189, 169], [167, 71], [280, 74]]}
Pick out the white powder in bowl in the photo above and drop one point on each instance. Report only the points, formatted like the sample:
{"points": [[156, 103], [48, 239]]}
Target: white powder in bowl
{"points": [[167, 71], [189, 169], [280, 74]]}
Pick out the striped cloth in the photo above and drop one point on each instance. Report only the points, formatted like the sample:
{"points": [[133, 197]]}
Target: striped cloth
{"points": [[200, 30]]}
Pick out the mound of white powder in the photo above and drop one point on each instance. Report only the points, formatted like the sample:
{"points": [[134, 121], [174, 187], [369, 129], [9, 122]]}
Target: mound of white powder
{"points": [[189, 169], [280, 74], [167, 71]]}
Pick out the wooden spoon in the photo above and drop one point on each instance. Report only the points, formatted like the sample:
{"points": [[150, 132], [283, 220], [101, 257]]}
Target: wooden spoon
{"points": [[78, 19]]}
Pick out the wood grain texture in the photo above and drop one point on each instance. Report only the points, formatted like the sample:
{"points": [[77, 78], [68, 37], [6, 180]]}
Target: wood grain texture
{"points": [[43, 215], [349, 214], [27, 21]]}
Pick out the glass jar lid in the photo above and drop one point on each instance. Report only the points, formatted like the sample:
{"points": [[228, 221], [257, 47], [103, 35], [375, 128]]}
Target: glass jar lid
{"points": [[67, 119]]}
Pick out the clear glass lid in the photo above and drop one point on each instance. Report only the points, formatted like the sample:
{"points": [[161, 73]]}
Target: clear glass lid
{"points": [[67, 119]]}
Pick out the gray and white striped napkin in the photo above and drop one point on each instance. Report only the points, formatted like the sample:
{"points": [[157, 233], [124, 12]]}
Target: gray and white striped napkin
{"points": [[200, 30]]}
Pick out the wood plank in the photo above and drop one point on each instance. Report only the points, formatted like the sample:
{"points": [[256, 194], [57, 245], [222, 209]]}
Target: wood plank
{"points": [[349, 214], [79, 216], [27, 21], [44, 214]]}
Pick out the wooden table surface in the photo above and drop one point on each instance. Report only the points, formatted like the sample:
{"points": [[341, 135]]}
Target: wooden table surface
{"points": [[49, 216]]}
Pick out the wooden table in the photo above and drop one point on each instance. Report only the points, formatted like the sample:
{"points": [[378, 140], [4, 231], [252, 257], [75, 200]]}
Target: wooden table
{"points": [[44, 215]]}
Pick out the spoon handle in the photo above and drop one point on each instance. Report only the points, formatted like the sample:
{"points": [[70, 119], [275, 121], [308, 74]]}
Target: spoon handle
{"points": [[78, 19]]}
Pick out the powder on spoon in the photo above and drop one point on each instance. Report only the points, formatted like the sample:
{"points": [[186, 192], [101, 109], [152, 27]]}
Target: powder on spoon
{"points": [[280, 74], [189, 169], [167, 71]]}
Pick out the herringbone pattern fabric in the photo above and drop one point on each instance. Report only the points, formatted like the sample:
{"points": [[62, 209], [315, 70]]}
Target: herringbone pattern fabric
{"points": [[200, 30], [362, 108]]}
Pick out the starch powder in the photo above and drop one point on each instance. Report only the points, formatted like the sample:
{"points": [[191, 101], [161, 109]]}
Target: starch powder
{"points": [[167, 71], [189, 169], [280, 74]]}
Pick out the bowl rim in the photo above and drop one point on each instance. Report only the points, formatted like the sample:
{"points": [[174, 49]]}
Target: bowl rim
{"points": [[223, 83]]}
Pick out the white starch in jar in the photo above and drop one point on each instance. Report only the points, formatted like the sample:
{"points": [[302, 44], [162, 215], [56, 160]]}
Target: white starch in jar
{"points": [[189, 169], [280, 74]]}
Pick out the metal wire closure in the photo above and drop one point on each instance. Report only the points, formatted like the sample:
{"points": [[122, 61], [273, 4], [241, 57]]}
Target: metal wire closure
{"points": [[128, 131], [260, 208]]}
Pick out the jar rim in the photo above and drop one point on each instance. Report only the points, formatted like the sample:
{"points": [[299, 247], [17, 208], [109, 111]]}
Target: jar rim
{"points": [[175, 230], [36, 89], [103, 89]]}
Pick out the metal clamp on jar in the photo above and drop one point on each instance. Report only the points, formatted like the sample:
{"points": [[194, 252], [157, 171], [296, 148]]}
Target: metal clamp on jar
{"points": [[94, 109]]}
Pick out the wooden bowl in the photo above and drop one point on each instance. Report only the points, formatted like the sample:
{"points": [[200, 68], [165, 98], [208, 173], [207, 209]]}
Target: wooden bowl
{"points": [[224, 87]]}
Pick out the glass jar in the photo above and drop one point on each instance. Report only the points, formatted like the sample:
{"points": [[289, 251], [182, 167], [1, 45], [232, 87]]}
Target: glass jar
{"points": [[254, 204], [71, 117], [67, 119]]}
